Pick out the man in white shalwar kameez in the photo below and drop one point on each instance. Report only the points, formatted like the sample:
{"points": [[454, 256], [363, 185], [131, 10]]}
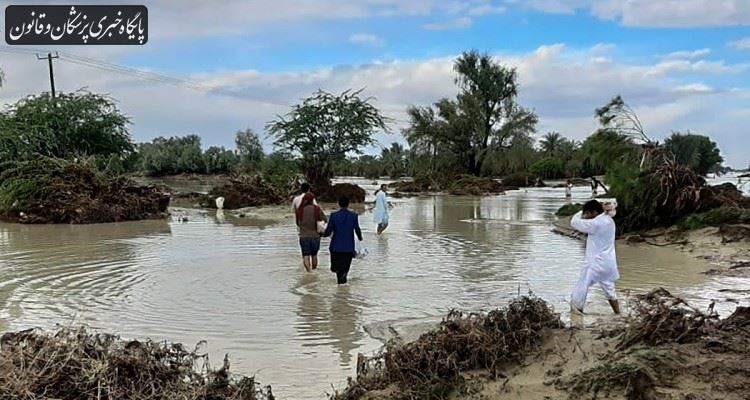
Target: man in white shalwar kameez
{"points": [[600, 266]]}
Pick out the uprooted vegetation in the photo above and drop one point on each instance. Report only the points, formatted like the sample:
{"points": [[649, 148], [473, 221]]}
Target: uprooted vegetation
{"points": [[331, 194], [459, 185], [243, 191], [48, 190], [667, 194], [77, 364], [672, 348], [432, 366]]}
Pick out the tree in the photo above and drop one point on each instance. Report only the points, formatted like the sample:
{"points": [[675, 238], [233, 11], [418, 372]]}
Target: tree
{"points": [[605, 148], [698, 152], [619, 117], [483, 119], [79, 124], [249, 148], [487, 99], [324, 128], [549, 168], [394, 160], [174, 155], [219, 160], [551, 143]]}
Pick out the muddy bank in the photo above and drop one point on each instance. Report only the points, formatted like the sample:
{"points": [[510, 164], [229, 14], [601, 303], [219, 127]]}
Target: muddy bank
{"points": [[665, 350], [45, 191], [243, 191], [725, 247], [79, 364]]}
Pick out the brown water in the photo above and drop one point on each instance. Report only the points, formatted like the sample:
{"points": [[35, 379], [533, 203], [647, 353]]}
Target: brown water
{"points": [[239, 284]]}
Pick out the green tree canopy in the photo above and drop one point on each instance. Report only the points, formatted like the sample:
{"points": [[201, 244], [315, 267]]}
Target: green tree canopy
{"points": [[70, 125], [551, 143], [324, 128], [483, 118], [698, 152], [249, 148]]}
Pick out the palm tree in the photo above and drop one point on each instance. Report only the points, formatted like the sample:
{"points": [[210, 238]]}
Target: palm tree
{"points": [[551, 143], [394, 160]]}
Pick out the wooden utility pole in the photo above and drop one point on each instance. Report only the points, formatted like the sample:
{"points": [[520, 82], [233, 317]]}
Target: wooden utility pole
{"points": [[49, 58]]}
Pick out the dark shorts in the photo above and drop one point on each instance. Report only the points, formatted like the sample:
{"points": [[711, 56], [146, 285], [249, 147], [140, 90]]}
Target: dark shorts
{"points": [[309, 246]]}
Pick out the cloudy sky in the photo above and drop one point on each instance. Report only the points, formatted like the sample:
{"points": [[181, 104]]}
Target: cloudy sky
{"points": [[682, 64]]}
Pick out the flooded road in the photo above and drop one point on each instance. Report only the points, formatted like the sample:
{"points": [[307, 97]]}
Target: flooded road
{"points": [[240, 285]]}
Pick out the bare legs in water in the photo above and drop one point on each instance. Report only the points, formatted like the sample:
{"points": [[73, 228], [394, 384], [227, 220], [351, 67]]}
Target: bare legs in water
{"points": [[310, 263]]}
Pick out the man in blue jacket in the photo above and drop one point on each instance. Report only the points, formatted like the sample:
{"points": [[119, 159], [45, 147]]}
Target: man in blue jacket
{"points": [[343, 225]]}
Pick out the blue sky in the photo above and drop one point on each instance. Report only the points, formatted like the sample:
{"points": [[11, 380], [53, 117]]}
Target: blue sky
{"points": [[682, 64]]}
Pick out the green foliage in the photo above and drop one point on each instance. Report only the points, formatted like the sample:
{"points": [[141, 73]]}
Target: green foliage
{"points": [[324, 128], [175, 155], [607, 148], [219, 160], [70, 125], [695, 151], [549, 168], [569, 210], [716, 217], [22, 182], [482, 119], [249, 149], [394, 161], [279, 169]]}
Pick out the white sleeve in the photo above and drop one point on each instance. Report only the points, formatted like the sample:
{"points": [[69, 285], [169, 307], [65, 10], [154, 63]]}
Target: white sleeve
{"points": [[584, 225]]}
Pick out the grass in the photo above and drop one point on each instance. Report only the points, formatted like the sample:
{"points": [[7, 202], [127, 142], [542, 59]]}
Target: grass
{"points": [[716, 217]]}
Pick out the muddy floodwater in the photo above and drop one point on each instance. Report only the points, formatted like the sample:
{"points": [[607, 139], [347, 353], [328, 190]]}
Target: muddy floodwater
{"points": [[239, 283]]}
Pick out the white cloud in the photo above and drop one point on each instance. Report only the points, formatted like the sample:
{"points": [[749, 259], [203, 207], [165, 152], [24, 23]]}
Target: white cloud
{"points": [[561, 84], [486, 9], [652, 13], [741, 44], [688, 54], [367, 39], [458, 23], [694, 88]]}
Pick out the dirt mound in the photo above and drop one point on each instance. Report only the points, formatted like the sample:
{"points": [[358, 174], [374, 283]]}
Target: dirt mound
{"points": [[468, 185], [332, 194], [522, 179], [77, 364], [243, 191], [432, 366], [414, 186], [49, 190]]}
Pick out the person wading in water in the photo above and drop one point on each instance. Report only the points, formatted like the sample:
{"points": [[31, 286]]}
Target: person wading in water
{"points": [[309, 216], [343, 225], [600, 265], [297, 201], [381, 209]]}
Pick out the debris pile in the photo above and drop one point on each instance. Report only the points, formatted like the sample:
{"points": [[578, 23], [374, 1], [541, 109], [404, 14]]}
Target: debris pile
{"points": [[77, 364], [47, 190]]}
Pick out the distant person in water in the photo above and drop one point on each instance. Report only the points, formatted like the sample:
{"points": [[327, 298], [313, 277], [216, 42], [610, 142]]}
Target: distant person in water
{"points": [[343, 225], [600, 265], [381, 209], [568, 189], [594, 192], [304, 189], [309, 217]]}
